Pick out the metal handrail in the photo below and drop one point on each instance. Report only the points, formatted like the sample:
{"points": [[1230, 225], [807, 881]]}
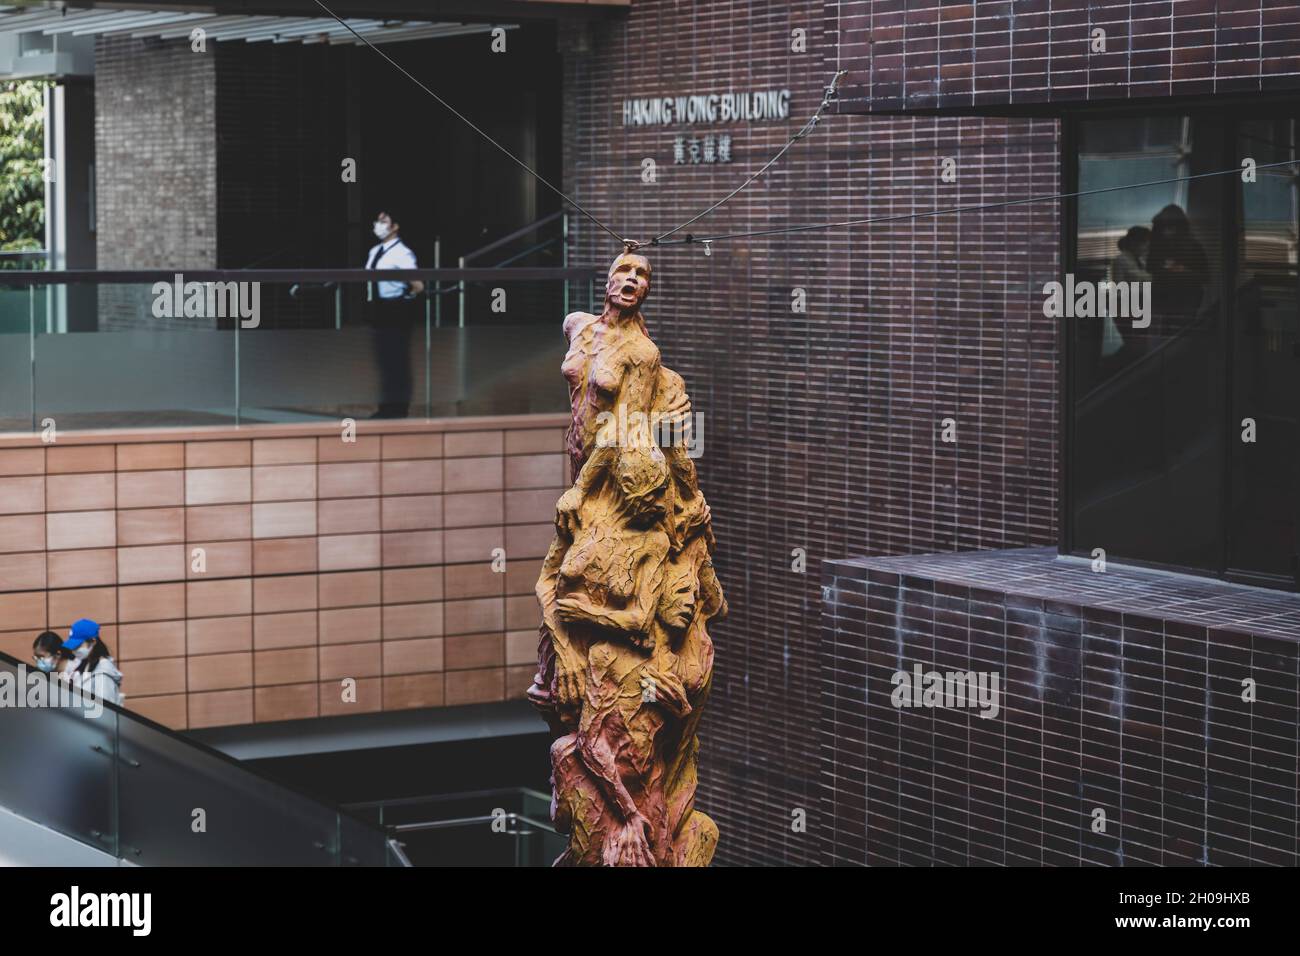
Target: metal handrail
{"points": [[445, 797], [395, 847], [562, 239], [532, 226], [319, 276], [528, 252], [468, 821]]}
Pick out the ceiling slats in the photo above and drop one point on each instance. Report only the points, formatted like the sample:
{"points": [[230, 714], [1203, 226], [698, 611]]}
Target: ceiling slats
{"points": [[170, 25]]}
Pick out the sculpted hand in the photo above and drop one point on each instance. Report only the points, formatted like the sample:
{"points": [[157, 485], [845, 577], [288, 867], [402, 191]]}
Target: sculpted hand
{"points": [[629, 845], [566, 513], [572, 609], [669, 692], [679, 410], [569, 682], [701, 518]]}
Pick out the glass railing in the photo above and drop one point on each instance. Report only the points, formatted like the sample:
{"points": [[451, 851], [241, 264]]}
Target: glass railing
{"points": [[503, 827], [24, 259], [147, 795], [148, 349]]}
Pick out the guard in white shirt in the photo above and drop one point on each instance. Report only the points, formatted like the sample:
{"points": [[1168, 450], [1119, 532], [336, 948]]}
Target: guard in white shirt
{"points": [[393, 309]]}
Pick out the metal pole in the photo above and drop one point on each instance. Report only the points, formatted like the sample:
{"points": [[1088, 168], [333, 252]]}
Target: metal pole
{"points": [[428, 335], [116, 804], [564, 257], [338, 306], [437, 299], [237, 324], [462, 295], [31, 341]]}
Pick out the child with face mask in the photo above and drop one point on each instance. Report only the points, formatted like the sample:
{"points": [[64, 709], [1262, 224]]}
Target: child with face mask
{"points": [[93, 669], [49, 655]]}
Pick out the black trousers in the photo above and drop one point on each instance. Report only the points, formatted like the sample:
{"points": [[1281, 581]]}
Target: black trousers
{"points": [[392, 321]]}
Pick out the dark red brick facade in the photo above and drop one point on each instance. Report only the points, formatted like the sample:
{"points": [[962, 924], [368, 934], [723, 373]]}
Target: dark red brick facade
{"points": [[1122, 737], [903, 55], [822, 429]]}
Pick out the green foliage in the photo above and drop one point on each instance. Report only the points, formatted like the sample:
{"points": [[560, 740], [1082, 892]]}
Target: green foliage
{"points": [[22, 148]]}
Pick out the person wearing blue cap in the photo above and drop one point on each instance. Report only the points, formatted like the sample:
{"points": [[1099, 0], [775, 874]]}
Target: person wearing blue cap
{"points": [[93, 667]]}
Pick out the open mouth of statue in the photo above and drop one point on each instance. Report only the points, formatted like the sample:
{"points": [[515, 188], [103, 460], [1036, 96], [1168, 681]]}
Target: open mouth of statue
{"points": [[628, 290]]}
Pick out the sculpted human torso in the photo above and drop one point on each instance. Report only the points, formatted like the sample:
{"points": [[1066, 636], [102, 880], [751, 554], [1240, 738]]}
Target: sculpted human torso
{"points": [[610, 365]]}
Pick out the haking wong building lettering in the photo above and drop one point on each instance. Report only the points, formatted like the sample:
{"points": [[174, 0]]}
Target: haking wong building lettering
{"points": [[752, 107]]}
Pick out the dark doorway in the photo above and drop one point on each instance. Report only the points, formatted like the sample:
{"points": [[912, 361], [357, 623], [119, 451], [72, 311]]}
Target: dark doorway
{"points": [[290, 114]]}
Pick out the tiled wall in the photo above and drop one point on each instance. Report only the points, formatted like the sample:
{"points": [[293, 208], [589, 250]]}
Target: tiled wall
{"points": [[325, 560], [903, 55], [1124, 734], [822, 428], [156, 164]]}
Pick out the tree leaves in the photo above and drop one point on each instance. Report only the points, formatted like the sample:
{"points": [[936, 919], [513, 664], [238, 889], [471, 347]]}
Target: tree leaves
{"points": [[22, 151]]}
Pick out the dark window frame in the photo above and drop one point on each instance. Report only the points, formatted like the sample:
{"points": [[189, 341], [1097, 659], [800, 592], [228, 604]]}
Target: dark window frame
{"points": [[1231, 114]]}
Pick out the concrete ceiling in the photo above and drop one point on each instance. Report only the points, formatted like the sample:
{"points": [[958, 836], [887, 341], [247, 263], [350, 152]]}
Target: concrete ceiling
{"points": [[423, 12], [151, 22]]}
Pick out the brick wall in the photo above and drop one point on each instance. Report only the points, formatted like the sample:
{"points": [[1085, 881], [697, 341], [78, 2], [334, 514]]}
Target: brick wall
{"points": [[906, 55], [1121, 739], [822, 429], [155, 168], [324, 560]]}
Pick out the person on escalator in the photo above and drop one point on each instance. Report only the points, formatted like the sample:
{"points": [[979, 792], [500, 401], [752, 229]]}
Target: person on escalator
{"points": [[93, 669], [50, 657], [1179, 271], [1128, 267]]}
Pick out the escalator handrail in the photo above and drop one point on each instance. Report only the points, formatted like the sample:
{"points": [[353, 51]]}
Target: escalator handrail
{"points": [[1205, 319], [235, 764], [445, 797]]}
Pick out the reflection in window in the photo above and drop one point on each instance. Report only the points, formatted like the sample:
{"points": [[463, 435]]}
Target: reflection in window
{"points": [[1148, 403], [1185, 431]]}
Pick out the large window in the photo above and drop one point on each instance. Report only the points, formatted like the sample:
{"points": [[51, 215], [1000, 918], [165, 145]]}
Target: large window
{"points": [[1181, 395]]}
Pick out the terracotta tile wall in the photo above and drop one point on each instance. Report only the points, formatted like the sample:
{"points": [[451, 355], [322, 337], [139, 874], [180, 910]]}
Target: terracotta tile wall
{"points": [[325, 560]]}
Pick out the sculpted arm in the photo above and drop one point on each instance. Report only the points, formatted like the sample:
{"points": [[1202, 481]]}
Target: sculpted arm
{"points": [[634, 620], [599, 737], [566, 509], [602, 725]]}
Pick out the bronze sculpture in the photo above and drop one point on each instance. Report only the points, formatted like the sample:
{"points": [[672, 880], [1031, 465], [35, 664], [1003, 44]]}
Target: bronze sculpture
{"points": [[626, 591]]}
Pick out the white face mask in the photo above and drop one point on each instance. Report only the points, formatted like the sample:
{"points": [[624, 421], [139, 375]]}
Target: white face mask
{"points": [[381, 230], [83, 650]]}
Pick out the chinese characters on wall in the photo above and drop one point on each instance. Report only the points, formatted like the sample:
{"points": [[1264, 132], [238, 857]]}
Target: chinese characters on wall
{"points": [[690, 150]]}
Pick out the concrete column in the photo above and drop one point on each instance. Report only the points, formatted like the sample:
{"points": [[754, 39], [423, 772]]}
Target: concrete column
{"points": [[69, 200]]}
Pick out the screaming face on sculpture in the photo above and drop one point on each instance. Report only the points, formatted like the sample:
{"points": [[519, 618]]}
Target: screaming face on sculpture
{"points": [[626, 591]]}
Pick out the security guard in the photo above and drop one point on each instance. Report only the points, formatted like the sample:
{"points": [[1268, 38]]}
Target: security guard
{"points": [[393, 307]]}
